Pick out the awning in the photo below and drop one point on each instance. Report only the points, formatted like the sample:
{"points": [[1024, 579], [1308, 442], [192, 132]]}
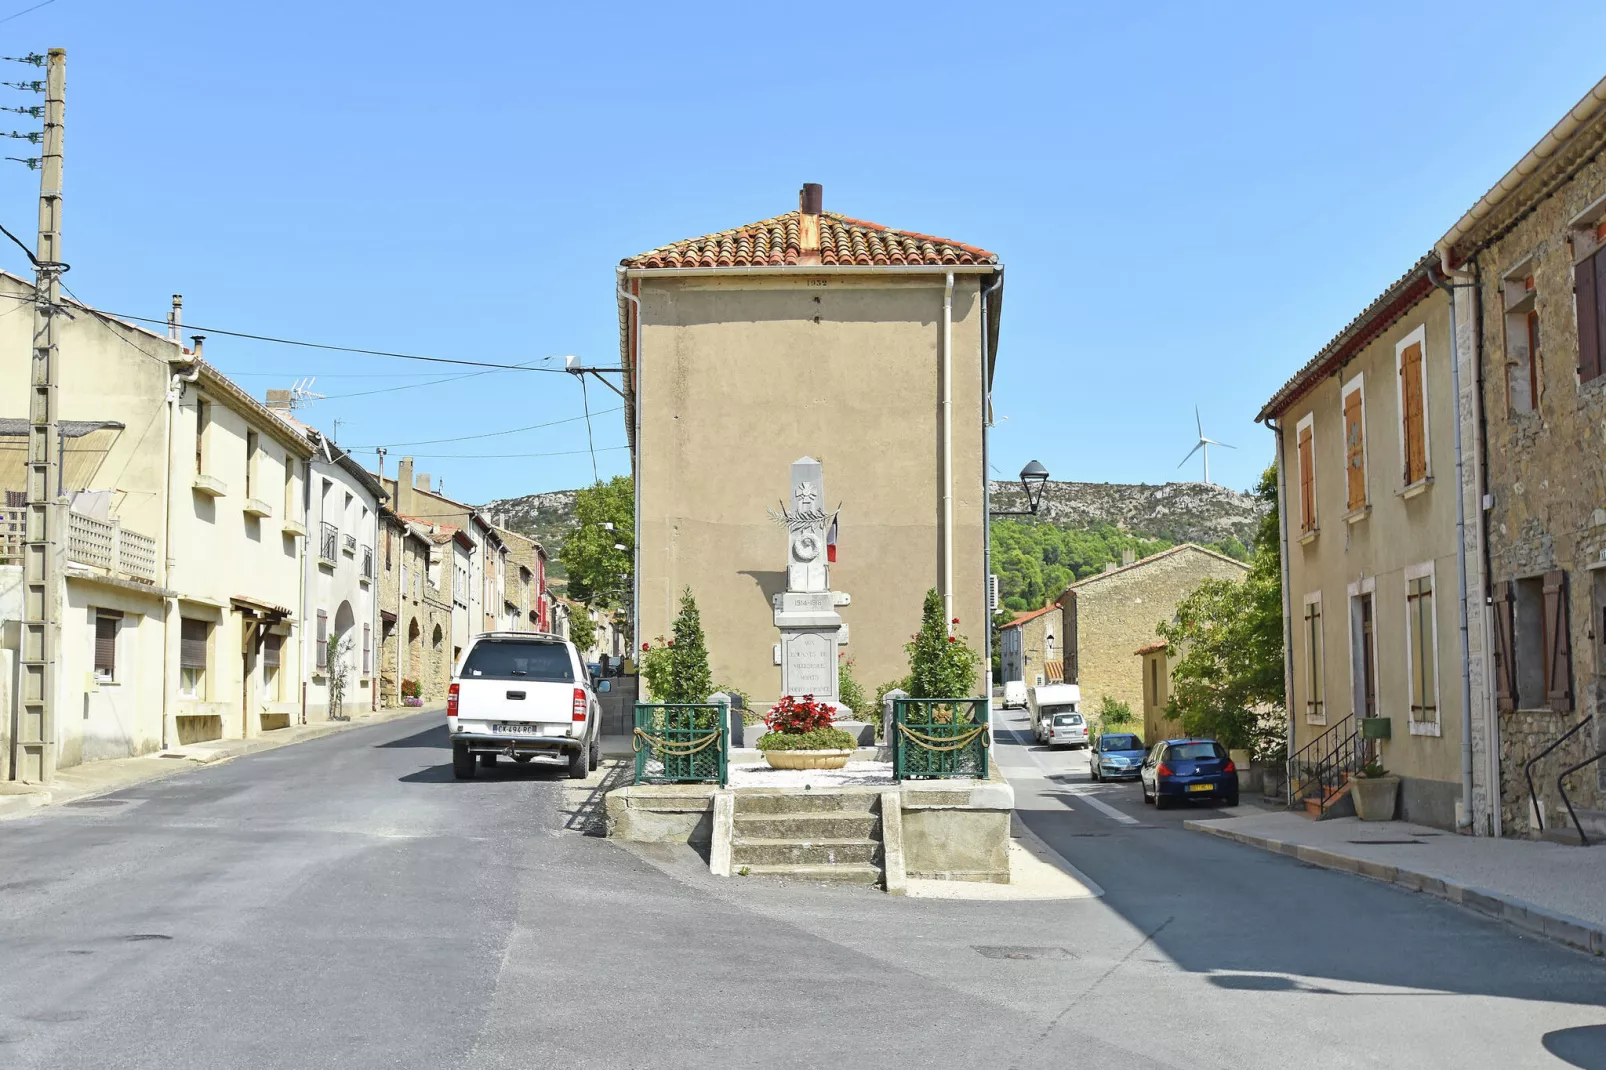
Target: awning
{"points": [[1054, 670], [387, 616], [258, 608]]}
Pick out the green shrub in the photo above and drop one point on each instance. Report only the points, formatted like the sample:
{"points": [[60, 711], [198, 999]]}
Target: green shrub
{"points": [[1114, 713], [676, 670], [941, 664], [849, 693], [819, 739]]}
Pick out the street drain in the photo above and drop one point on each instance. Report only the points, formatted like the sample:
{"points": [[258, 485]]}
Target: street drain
{"points": [[1369, 843], [147, 936], [95, 804], [990, 951]]}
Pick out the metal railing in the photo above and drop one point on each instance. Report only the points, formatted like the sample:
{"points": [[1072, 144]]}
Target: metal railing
{"points": [[1326, 763], [328, 540], [368, 562], [1561, 789], [940, 737], [349, 544], [1528, 772], [681, 742]]}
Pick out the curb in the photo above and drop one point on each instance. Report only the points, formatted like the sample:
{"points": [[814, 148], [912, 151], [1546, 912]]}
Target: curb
{"points": [[1529, 917]]}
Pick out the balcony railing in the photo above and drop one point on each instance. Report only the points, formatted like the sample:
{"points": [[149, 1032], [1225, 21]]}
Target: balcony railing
{"points": [[349, 544], [367, 562], [328, 540], [98, 543]]}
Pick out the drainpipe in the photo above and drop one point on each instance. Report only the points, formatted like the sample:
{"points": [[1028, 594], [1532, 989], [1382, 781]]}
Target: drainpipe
{"points": [[1288, 619], [1465, 820], [948, 447], [175, 390], [987, 496], [1480, 457], [635, 417]]}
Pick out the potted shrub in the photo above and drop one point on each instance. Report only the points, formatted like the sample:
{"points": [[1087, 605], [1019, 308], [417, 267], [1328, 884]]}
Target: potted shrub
{"points": [[412, 693], [801, 736], [1375, 791]]}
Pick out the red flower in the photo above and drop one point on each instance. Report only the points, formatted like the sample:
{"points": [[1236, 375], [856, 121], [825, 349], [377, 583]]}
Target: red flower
{"points": [[670, 643], [956, 620], [951, 639], [644, 646]]}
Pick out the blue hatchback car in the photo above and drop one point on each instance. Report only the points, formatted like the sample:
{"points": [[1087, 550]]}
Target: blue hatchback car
{"points": [[1116, 756], [1181, 769]]}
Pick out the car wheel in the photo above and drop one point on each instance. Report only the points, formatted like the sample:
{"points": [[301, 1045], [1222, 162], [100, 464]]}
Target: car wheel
{"points": [[578, 764], [1160, 801], [488, 760], [1232, 800], [462, 762], [1093, 772], [1144, 788], [594, 755]]}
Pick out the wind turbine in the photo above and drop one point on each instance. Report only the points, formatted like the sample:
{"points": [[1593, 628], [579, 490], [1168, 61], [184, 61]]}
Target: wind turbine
{"points": [[1203, 444]]}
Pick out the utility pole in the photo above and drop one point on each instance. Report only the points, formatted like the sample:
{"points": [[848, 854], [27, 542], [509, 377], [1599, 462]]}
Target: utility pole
{"points": [[45, 541]]}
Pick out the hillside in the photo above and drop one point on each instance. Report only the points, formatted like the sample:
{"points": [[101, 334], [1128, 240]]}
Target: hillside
{"points": [[1170, 512]]}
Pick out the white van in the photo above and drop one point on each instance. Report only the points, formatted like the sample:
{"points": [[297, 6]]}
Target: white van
{"points": [[1047, 700], [1015, 695]]}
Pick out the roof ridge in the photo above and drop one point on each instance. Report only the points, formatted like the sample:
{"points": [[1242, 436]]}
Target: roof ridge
{"points": [[776, 241]]}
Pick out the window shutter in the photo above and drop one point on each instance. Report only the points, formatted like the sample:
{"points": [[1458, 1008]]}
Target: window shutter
{"points": [[1558, 645], [1354, 450], [323, 639], [192, 644], [271, 648], [1586, 288], [1416, 461], [106, 643], [367, 647], [1307, 481], [1504, 666]]}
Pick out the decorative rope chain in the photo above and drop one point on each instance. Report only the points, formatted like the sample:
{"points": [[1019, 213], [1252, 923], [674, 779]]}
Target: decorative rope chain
{"points": [[664, 746], [952, 743]]}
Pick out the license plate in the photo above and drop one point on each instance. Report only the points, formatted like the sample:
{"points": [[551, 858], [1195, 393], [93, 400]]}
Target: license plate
{"points": [[518, 729], [1201, 787]]}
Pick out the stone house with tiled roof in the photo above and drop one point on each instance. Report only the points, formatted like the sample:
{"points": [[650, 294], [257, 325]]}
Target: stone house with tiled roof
{"points": [[812, 334], [1029, 648], [1108, 615]]}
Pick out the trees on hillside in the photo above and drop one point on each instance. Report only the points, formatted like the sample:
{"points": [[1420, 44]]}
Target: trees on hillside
{"points": [[1036, 561]]}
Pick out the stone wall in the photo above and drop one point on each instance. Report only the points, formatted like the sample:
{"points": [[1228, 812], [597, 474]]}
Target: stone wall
{"points": [[1116, 613], [1546, 512]]}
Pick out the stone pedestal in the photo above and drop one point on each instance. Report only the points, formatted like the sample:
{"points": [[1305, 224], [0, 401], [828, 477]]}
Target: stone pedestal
{"points": [[805, 612]]}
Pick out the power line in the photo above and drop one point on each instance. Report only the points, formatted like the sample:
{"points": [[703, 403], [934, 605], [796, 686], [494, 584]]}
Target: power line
{"points": [[488, 434], [511, 456], [410, 386], [585, 402], [25, 10]]}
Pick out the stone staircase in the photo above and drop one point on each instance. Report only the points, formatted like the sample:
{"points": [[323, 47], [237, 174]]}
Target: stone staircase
{"points": [[822, 836], [1559, 827]]}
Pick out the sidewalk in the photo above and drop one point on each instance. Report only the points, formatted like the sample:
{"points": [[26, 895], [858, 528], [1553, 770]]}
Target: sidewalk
{"points": [[99, 778], [1547, 889]]}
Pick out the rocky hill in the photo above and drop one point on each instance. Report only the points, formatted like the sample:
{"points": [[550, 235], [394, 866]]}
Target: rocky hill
{"points": [[1176, 512]]}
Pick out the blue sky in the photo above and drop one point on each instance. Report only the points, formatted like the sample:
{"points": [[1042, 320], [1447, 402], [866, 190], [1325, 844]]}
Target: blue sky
{"points": [[1189, 202]]}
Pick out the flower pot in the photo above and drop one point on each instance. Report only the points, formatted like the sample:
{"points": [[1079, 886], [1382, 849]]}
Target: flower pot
{"points": [[807, 759], [1375, 797]]}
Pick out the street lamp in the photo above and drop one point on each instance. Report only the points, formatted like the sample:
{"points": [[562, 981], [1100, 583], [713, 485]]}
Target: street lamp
{"points": [[1032, 479]]}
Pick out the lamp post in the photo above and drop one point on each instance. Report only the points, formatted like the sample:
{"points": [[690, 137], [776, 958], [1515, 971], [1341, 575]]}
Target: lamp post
{"points": [[1032, 479]]}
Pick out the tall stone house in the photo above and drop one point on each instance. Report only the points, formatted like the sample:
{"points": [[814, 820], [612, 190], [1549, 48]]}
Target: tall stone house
{"points": [[1029, 647], [415, 608], [1367, 450], [809, 333], [1108, 615]]}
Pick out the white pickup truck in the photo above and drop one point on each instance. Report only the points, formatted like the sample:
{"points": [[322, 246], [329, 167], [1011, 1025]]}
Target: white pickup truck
{"points": [[523, 695]]}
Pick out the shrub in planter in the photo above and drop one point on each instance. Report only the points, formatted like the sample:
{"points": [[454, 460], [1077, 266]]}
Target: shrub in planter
{"points": [[801, 736], [1375, 791]]}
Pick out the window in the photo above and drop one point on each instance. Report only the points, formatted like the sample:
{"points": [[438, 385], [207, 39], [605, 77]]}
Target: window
{"points": [[1209, 751], [107, 622], [193, 636], [1413, 406], [1522, 339], [203, 420], [519, 659], [1533, 649], [367, 649], [1315, 709], [1304, 437], [1154, 681], [272, 657], [321, 644], [388, 536], [252, 443], [1421, 650], [290, 510], [1355, 445], [1589, 303]]}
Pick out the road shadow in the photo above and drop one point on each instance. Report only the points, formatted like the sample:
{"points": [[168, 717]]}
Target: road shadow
{"points": [[432, 737], [502, 770], [1582, 1046]]}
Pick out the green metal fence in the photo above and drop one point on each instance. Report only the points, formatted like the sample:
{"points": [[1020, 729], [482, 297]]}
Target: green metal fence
{"points": [[680, 742], [939, 737]]}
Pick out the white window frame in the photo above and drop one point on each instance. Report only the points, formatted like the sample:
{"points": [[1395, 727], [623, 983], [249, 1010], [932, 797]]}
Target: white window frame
{"points": [[1423, 728], [1309, 421], [1418, 336], [1355, 385], [1314, 597]]}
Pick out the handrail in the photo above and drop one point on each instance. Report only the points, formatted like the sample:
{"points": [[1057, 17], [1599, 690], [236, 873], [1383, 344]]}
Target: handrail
{"points": [[1334, 758], [1561, 789], [1528, 770]]}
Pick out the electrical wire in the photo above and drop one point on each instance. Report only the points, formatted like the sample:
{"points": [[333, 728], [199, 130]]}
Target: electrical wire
{"points": [[510, 456], [488, 434], [408, 386], [25, 10], [585, 402]]}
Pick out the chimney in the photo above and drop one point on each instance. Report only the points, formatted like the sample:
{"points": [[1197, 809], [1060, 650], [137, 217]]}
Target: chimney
{"points": [[422, 482], [279, 400], [810, 200], [404, 487], [1109, 566], [175, 319], [1128, 556], [195, 345]]}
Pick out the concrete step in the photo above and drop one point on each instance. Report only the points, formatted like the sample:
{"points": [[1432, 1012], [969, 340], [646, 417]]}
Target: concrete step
{"points": [[1560, 829], [807, 802], [860, 874], [800, 853], [830, 825]]}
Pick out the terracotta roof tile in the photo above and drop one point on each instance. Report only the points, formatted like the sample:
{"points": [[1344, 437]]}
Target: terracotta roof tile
{"points": [[1033, 615], [776, 242]]}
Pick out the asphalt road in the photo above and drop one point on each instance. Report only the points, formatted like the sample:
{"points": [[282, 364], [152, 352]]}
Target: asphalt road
{"points": [[346, 903]]}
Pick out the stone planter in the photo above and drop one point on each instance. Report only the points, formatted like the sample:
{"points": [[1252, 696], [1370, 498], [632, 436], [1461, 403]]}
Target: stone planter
{"points": [[807, 759], [1375, 797]]}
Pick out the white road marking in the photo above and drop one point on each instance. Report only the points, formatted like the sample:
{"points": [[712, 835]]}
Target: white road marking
{"points": [[1103, 807], [1037, 771]]}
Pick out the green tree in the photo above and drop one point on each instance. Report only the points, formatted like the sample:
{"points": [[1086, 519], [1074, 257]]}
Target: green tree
{"points": [[941, 665], [599, 561], [1229, 635], [689, 677], [582, 629]]}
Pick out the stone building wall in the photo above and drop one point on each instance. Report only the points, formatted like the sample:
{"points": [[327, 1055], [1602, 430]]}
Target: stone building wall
{"points": [[1548, 487], [1116, 613]]}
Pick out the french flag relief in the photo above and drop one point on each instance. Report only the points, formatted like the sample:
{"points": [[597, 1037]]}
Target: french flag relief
{"points": [[830, 541]]}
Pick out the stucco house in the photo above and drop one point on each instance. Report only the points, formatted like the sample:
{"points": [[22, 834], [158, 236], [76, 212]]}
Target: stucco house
{"points": [[810, 333], [1029, 647], [1108, 615], [1155, 665]]}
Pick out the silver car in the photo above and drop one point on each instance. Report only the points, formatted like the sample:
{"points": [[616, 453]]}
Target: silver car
{"points": [[1065, 728]]}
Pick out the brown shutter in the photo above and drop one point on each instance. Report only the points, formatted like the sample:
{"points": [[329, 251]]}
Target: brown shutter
{"points": [[1558, 644], [1586, 301], [271, 648], [323, 639], [1416, 460], [1505, 667], [1354, 450], [106, 643], [367, 647], [1307, 480], [192, 644]]}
